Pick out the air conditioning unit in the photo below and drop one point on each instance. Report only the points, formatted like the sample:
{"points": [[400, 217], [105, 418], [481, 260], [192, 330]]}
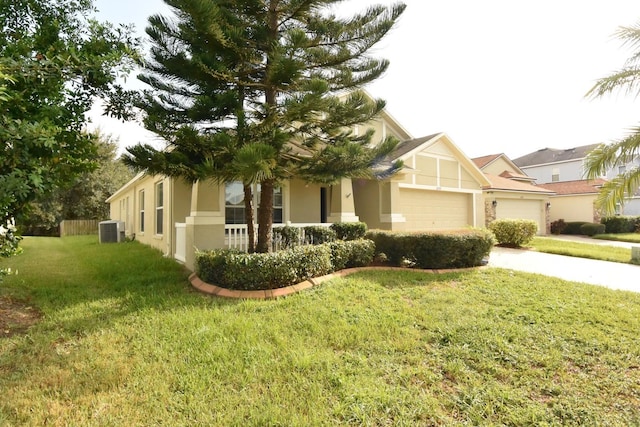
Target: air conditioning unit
{"points": [[111, 231]]}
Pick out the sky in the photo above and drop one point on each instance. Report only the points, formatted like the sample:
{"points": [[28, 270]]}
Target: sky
{"points": [[497, 76]]}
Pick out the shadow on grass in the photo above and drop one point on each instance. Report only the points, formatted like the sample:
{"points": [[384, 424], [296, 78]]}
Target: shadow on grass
{"points": [[412, 278], [81, 285]]}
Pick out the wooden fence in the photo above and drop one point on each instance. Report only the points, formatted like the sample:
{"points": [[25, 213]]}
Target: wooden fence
{"points": [[79, 227]]}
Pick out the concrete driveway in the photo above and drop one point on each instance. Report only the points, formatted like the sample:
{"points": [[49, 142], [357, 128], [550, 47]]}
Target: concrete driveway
{"points": [[603, 273]]}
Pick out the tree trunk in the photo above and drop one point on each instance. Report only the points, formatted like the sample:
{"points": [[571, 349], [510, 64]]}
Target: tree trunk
{"points": [[248, 217], [265, 216], [265, 208]]}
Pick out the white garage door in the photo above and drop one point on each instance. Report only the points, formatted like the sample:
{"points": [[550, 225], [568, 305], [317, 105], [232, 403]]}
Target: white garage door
{"points": [[521, 209], [435, 210]]}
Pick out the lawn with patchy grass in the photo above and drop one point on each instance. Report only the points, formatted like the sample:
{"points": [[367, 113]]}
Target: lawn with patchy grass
{"points": [[620, 237], [125, 341], [581, 250]]}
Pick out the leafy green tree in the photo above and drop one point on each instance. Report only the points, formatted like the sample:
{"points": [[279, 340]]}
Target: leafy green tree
{"points": [[84, 198], [57, 60], [255, 91], [627, 149]]}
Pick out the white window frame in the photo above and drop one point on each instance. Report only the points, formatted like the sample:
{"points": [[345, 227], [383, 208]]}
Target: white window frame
{"points": [[159, 208], [255, 189], [141, 218]]}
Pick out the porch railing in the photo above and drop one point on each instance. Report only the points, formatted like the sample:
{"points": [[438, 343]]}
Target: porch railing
{"points": [[237, 236]]}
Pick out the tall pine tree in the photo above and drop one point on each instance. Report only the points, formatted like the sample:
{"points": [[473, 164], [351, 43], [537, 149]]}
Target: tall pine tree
{"points": [[261, 92]]}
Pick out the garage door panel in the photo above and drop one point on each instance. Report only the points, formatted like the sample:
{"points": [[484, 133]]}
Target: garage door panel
{"points": [[430, 210], [520, 209]]}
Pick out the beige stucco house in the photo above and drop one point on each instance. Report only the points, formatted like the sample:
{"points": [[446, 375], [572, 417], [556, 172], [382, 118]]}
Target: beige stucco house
{"points": [[512, 194], [439, 188], [575, 200]]}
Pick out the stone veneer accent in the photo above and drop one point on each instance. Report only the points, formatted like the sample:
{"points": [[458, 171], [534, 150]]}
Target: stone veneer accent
{"points": [[210, 289], [489, 213]]}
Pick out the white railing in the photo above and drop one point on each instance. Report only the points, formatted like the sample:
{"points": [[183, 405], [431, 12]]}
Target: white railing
{"points": [[181, 242], [237, 237]]}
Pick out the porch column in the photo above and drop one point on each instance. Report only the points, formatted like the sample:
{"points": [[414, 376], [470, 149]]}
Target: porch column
{"points": [[205, 223], [390, 205], [342, 207]]}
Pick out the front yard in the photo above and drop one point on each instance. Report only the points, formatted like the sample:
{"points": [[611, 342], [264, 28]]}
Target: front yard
{"points": [[124, 340]]}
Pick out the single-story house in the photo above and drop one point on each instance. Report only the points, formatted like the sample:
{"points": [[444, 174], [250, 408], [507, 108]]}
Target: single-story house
{"points": [[575, 200], [511, 194], [439, 188]]}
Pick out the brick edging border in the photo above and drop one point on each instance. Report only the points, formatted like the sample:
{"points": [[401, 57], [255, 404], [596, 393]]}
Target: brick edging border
{"points": [[210, 289]]}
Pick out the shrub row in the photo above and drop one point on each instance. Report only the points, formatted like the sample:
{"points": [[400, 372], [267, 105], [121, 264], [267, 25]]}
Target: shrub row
{"points": [[288, 236], [238, 270], [455, 249], [574, 227], [621, 224], [514, 232], [591, 229], [608, 225]]}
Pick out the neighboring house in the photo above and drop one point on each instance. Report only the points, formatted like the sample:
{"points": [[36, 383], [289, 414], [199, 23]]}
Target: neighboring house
{"points": [[439, 188], [553, 165], [575, 200], [512, 194], [550, 165]]}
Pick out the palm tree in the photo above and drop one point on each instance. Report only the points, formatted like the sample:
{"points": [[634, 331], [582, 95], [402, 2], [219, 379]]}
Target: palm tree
{"points": [[624, 150]]}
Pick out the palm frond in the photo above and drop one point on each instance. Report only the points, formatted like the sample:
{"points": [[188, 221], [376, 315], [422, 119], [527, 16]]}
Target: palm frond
{"points": [[614, 192]]}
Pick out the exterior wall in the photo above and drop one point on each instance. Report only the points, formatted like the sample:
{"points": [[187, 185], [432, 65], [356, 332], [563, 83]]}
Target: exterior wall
{"points": [[613, 172], [437, 192], [367, 199], [573, 208], [569, 171], [303, 202], [498, 166], [125, 206], [382, 128], [182, 200], [438, 168], [467, 181], [426, 171], [632, 207]]}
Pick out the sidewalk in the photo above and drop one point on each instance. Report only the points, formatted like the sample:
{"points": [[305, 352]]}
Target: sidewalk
{"points": [[585, 239], [603, 273]]}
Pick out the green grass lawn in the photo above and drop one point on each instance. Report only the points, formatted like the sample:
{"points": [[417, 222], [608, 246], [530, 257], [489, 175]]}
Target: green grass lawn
{"points": [[125, 341], [622, 237], [581, 250]]}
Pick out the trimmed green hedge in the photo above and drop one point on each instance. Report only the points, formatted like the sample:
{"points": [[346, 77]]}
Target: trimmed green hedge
{"points": [[574, 227], [621, 224], [286, 236], [317, 235], [591, 229], [454, 249], [349, 230], [352, 253], [239, 270], [514, 232]]}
